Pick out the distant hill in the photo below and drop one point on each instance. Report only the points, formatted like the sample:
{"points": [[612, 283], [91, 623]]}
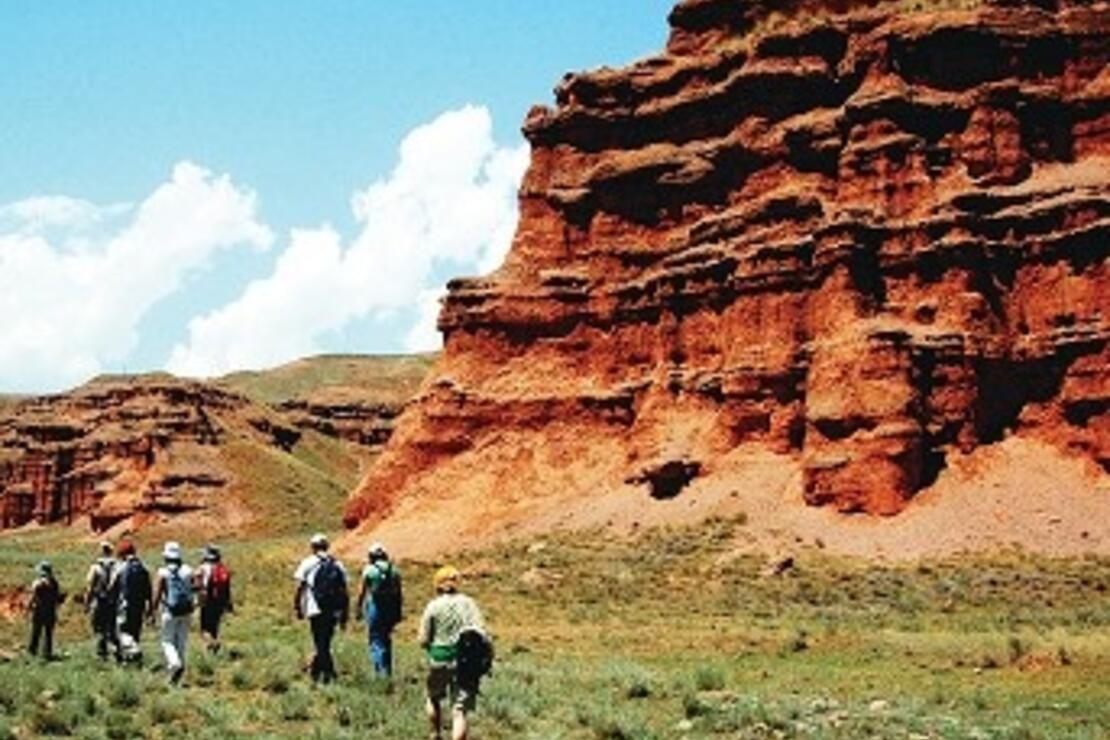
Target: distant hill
{"points": [[261, 452], [386, 378], [7, 401]]}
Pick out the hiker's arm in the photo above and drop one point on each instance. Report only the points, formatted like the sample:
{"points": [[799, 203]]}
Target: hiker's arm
{"points": [[345, 615], [230, 600], [90, 583], [159, 585], [297, 599], [361, 599], [426, 630]]}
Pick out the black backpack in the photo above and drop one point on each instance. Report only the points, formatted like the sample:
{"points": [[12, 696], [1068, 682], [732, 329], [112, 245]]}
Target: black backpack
{"points": [[475, 656], [134, 584], [387, 595], [329, 586]]}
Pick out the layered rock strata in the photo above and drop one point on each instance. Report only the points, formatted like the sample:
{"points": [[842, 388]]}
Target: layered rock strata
{"points": [[865, 238], [351, 418], [114, 450]]}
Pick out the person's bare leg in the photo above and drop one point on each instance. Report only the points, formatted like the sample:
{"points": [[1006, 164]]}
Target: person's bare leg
{"points": [[458, 724], [433, 717]]}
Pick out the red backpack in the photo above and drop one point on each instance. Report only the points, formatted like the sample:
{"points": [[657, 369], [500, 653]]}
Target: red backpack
{"points": [[219, 585]]}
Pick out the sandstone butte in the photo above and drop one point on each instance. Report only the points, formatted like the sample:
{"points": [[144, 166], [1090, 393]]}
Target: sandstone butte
{"points": [[817, 256]]}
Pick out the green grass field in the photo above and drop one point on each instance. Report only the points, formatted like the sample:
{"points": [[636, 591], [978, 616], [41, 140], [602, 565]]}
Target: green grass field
{"points": [[664, 637]]}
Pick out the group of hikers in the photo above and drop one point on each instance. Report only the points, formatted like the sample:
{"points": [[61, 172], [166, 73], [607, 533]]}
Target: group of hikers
{"points": [[120, 596]]}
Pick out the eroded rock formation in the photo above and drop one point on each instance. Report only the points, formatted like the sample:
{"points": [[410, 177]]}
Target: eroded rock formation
{"points": [[352, 418], [862, 238], [114, 450]]}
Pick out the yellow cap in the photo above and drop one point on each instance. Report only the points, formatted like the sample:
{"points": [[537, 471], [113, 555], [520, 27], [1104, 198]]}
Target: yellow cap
{"points": [[448, 575]]}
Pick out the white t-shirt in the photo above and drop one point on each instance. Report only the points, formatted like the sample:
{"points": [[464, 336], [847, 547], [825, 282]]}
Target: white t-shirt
{"points": [[184, 571], [306, 574]]}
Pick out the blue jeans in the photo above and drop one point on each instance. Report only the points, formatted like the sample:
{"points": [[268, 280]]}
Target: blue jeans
{"points": [[381, 651], [380, 637]]}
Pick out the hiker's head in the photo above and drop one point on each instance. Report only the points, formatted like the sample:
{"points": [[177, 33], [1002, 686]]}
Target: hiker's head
{"points": [[106, 549], [171, 553], [318, 543], [377, 552], [125, 549], [44, 569], [446, 579], [211, 554]]}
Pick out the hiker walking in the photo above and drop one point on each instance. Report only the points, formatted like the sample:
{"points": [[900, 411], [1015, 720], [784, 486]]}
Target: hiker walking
{"points": [[173, 593], [380, 602], [214, 584], [46, 596], [131, 585], [100, 601], [322, 598], [459, 650]]}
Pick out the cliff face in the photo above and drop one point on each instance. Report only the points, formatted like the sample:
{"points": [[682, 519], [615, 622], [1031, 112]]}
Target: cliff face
{"points": [[863, 240], [118, 450]]}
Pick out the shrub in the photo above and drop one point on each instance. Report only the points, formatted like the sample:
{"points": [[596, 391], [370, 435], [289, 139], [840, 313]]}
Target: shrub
{"points": [[296, 706], [52, 721], [124, 693], [709, 678]]}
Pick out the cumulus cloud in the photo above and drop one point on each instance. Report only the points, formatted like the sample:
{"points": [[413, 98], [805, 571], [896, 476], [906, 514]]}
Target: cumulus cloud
{"points": [[450, 203], [424, 334], [76, 279]]}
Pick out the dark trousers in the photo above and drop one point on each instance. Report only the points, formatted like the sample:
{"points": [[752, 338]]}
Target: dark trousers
{"points": [[323, 631], [104, 627], [210, 617], [42, 630]]}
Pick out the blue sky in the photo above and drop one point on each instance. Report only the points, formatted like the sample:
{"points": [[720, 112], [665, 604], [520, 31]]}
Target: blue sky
{"points": [[174, 169]]}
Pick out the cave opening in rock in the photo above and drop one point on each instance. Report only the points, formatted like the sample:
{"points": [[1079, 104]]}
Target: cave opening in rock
{"points": [[669, 479], [1004, 390]]}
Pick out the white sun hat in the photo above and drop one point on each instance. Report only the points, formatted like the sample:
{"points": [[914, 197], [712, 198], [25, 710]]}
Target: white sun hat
{"points": [[172, 551]]}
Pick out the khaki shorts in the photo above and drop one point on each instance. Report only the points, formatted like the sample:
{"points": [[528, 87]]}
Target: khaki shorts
{"points": [[443, 681]]}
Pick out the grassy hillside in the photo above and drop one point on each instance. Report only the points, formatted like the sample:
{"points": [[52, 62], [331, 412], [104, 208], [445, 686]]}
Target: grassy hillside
{"points": [[666, 637], [388, 378], [7, 401]]}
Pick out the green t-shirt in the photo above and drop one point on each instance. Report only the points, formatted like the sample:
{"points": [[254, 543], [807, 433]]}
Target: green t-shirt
{"points": [[375, 573]]}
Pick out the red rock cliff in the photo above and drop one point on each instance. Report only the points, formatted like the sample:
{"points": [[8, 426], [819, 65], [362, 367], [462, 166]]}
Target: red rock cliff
{"points": [[865, 239], [112, 451]]}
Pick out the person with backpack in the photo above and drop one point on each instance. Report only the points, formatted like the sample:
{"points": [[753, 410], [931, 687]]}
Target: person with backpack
{"points": [[460, 652], [323, 599], [173, 593], [380, 602], [46, 597], [100, 601], [131, 590], [214, 584]]}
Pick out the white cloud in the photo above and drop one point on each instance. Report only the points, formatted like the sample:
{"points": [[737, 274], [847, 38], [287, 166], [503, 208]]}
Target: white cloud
{"points": [[76, 279], [35, 215], [449, 202], [424, 334]]}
